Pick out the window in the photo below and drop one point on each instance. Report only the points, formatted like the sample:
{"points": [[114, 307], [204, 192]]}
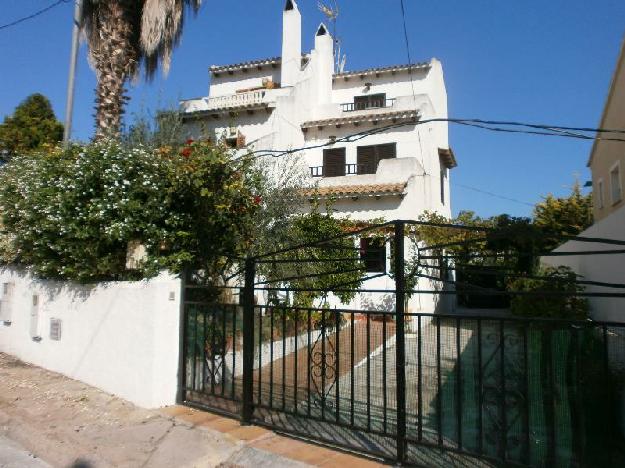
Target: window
{"points": [[334, 162], [615, 184], [599, 194], [373, 254], [371, 100], [370, 156]]}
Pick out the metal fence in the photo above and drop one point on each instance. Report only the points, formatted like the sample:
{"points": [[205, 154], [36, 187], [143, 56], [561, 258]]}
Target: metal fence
{"points": [[420, 388]]}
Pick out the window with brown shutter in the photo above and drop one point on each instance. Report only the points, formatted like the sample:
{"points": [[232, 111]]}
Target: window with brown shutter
{"points": [[373, 254], [334, 162], [371, 100], [370, 156], [367, 163]]}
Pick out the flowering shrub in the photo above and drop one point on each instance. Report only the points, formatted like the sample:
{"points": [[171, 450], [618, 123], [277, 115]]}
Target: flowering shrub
{"points": [[72, 214]]}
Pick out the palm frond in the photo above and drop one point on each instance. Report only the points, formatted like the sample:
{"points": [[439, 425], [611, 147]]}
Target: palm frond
{"points": [[161, 28]]}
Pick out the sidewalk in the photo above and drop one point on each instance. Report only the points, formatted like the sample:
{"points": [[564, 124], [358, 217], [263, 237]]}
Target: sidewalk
{"points": [[64, 423]]}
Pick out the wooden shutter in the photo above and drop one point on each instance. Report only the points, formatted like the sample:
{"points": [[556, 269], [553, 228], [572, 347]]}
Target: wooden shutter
{"points": [[377, 100], [370, 100], [334, 162], [361, 102], [373, 254], [386, 151], [366, 160], [370, 156]]}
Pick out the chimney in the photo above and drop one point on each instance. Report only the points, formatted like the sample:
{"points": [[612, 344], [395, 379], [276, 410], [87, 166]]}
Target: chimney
{"points": [[324, 64], [291, 44]]}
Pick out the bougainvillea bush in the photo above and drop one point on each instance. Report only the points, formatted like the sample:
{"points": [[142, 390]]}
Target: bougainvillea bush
{"points": [[71, 214]]}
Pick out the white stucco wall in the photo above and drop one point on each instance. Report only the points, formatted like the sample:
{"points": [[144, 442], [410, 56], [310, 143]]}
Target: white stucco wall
{"points": [[121, 337], [225, 83], [608, 268]]}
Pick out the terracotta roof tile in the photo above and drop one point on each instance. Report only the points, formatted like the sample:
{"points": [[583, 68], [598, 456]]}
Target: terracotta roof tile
{"points": [[275, 61], [242, 65], [342, 191], [447, 157], [392, 68], [372, 117]]}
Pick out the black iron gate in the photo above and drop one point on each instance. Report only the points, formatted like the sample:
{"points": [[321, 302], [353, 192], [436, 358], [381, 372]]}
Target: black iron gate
{"points": [[420, 388]]}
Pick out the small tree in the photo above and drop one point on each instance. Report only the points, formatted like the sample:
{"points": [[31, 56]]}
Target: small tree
{"points": [[552, 293], [32, 125], [566, 216]]}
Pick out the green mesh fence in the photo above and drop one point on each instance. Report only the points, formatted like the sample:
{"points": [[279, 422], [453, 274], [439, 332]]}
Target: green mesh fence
{"points": [[534, 393]]}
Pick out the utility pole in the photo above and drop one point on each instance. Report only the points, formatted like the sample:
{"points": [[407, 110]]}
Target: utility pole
{"points": [[69, 106]]}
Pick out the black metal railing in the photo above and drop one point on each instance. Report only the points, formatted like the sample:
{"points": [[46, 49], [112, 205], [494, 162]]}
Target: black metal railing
{"points": [[372, 104], [392, 382]]}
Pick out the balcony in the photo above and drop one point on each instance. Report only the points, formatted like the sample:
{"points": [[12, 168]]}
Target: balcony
{"points": [[350, 169], [382, 103], [249, 99]]}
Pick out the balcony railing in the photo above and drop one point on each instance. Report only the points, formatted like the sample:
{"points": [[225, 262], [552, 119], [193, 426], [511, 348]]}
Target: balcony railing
{"points": [[350, 169], [236, 100], [374, 104]]}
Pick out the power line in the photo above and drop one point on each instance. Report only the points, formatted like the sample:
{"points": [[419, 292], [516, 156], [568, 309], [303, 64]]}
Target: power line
{"points": [[491, 125], [403, 16], [34, 15], [485, 192]]}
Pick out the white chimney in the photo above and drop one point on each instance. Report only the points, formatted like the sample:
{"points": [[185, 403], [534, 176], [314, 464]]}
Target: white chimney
{"points": [[291, 44], [323, 57]]}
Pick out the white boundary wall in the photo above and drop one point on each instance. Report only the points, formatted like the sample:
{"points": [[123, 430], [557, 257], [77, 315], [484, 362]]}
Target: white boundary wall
{"points": [[122, 337], [608, 268]]}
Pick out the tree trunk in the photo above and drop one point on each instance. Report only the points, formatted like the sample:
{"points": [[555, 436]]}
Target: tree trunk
{"points": [[115, 60]]}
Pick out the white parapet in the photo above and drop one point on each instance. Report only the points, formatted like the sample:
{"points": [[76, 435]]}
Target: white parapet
{"points": [[245, 99]]}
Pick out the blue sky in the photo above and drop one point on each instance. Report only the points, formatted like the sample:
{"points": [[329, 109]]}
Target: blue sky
{"points": [[535, 61]]}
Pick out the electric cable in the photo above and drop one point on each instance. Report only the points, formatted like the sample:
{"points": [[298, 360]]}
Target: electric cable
{"points": [[34, 15]]}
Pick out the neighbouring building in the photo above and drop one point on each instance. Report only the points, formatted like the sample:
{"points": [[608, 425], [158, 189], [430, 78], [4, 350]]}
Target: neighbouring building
{"points": [[607, 158], [299, 100], [607, 163]]}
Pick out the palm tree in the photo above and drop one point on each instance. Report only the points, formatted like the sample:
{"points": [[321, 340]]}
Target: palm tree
{"points": [[122, 35]]}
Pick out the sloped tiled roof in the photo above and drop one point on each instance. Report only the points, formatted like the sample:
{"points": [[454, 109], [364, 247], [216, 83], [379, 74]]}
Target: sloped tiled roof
{"points": [[370, 117], [275, 61], [342, 191], [448, 157], [379, 70], [242, 65]]}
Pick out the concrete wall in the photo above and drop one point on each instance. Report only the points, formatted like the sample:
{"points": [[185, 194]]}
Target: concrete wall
{"points": [[608, 268], [121, 337]]}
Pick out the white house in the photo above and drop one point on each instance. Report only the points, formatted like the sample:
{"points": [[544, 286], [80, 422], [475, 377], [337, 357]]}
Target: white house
{"points": [[300, 101]]}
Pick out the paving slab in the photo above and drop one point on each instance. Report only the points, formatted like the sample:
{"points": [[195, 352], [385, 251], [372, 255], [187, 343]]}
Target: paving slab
{"points": [[48, 420], [13, 455]]}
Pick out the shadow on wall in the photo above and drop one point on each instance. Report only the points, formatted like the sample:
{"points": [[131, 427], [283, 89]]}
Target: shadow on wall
{"points": [[377, 302], [52, 289]]}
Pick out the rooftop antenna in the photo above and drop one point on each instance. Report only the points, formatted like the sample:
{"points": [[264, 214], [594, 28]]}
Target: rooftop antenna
{"points": [[332, 14]]}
